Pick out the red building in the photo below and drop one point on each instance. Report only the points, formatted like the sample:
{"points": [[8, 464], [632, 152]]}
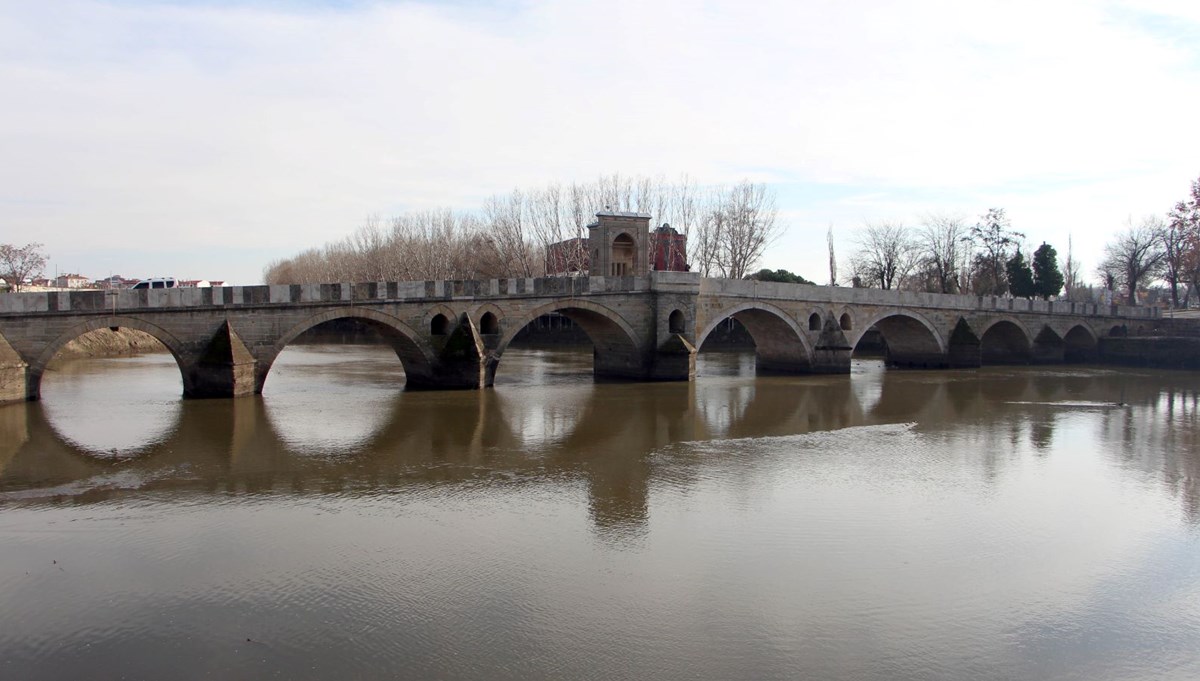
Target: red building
{"points": [[668, 249]]}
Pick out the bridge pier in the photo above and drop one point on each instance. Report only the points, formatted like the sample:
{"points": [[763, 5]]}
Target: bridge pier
{"points": [[674, 360], [831, 353], [14, 381], [1047, 348], [963, 350], [463, 362], [225, 368]]}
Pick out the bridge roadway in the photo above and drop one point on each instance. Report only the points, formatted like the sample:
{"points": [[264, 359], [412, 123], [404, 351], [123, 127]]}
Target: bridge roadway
{"points": [[453, 334]]}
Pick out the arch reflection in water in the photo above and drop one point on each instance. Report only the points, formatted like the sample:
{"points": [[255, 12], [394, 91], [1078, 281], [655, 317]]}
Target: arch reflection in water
{"points": [[115, 407], [320, 402], [372, 433]]}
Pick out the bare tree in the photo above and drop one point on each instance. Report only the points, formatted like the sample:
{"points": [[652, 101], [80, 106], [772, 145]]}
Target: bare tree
{"points": [[18, 263], [1136, 255], [994, 237], [1183, 246], [507, 232], [513, 234], [886, 255], [942, 242], [742, 222]]}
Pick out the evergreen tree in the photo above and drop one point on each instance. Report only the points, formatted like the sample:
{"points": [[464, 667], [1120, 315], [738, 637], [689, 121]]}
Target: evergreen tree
{"points": [[781, 276], [1047, 280], [1020, 277]]}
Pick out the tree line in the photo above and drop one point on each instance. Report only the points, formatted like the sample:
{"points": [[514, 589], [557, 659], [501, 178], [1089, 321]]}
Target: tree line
{"points": [[948, 254], [728, 229]]}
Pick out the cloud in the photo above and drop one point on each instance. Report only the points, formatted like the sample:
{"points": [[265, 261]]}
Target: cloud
{"points": [[174, 129]]}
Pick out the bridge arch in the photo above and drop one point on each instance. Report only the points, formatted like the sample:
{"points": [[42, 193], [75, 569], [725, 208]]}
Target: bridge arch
{"points": [[415, 355], [37, 368], [1080, 344], [911, 340], [617, 348], [1006, 340], [780, 342]]}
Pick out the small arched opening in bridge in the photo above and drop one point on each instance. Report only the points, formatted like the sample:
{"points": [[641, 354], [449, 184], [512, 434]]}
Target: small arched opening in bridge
{"points": [[776, 340], [1080, 345], [845, 322], [564, 342], [439, 325], [489, 325], [111, 388], [676, 322], [623, 250], [343, 351], [1004, 342], [901, 340], [814, 322]]}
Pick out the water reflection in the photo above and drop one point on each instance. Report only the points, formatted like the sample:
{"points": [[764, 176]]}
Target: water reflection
{"points": [[1001, 523], [360, 429], [114, 420]]}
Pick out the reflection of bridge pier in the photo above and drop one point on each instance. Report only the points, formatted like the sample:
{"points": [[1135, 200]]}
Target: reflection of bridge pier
{"points": [[601, 438]]}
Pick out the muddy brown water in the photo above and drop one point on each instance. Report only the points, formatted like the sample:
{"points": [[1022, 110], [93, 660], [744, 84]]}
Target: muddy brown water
{"points": [[1004, 523]]}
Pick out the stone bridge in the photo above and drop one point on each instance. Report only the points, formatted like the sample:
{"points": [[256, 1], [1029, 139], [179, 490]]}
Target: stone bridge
{"points": [[453, 334]]}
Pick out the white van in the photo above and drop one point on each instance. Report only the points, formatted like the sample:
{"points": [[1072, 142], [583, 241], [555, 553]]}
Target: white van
{"points": [[156, 282]]}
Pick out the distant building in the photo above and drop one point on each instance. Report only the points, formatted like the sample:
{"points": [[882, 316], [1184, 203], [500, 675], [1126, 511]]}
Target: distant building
{"points": [[669, 249], [194, 283], [116, 281], [631, 248], [568, 257], [72, 281]]}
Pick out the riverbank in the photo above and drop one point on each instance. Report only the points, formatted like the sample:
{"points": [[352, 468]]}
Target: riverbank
{"points": [[109, 343]]}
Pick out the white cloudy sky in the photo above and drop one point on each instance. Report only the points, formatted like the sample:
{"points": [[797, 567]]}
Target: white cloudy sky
{"points": [[202, 139]]}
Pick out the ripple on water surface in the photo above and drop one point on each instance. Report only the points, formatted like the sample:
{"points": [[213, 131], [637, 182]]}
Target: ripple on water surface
{"points": [[908, 525]]}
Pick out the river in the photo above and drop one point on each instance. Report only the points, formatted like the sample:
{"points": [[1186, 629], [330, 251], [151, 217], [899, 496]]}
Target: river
{"points": [[1003, 523]]}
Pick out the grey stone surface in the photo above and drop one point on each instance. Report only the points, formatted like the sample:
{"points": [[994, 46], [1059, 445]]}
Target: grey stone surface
{"points": [[226, 339]]}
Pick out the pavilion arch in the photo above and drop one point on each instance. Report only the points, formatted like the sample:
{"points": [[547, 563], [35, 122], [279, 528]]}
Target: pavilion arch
{"points": [[779, 341], [911, 340], [1005, 341], [624, 254], [38, 366], [415, 355]]}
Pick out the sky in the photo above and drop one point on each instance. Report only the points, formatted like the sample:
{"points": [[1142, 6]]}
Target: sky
{"points": [[202, 140]]}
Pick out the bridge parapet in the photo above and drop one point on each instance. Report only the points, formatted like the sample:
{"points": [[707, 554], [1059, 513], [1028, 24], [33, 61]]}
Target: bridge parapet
{"points": [[24, 304], [839, 295]]}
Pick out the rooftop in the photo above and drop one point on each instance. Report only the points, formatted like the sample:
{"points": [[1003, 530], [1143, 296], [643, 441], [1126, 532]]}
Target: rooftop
{"points": [[621, 214]]}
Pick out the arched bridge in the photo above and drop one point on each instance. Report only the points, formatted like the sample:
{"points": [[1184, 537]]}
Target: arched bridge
{"points": [[452, 334]]}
